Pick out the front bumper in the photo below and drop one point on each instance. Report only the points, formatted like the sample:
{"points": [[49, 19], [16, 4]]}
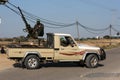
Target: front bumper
{"points": [[103, 54]]}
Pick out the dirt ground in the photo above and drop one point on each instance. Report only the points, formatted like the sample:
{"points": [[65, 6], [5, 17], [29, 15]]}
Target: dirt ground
{"points": [[5, 63]]}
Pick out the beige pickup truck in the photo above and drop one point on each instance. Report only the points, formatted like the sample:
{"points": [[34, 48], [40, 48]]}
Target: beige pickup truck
{"points": [[58, 48]]}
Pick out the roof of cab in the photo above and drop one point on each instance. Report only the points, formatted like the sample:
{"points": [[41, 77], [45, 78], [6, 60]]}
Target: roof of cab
{"points": [[59, 34]]}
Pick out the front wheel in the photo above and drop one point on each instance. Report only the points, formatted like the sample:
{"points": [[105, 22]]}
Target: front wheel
{"points": [[32, 62], [91, 61]]}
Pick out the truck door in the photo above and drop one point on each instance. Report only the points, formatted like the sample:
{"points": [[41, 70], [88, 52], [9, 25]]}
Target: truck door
{"points": [[68, 49]]}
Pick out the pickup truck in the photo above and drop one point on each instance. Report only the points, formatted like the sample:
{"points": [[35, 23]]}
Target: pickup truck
{"points": [[58, 48]]}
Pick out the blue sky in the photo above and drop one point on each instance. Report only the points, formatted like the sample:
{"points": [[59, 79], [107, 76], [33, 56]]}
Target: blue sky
{"points": [[91, 13]]}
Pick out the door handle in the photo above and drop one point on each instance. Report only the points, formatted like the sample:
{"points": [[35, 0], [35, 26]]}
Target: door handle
{"points": [[62, 48], [74, 49]]}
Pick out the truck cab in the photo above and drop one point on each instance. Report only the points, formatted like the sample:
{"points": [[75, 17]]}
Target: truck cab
{"points": [[58, 48]]}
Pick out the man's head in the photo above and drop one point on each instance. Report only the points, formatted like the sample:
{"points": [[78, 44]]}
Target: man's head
{"points": [[38, 21]]}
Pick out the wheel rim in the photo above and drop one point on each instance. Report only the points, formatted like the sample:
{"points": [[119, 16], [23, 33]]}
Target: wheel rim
{"points": [[32, 62], [94, 62]]}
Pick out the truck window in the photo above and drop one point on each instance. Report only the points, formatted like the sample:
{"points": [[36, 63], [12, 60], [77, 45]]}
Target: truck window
{"points": [[50, 41], [66, 41]]}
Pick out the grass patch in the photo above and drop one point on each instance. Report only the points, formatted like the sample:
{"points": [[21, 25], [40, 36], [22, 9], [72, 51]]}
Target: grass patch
{"points": [[111, 46]]}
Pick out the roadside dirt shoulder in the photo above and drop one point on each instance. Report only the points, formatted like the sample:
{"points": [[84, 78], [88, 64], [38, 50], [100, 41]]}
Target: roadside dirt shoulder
{"points": [[5, 63]]}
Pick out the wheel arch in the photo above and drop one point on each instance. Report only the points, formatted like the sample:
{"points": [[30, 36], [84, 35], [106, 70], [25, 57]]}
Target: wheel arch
{"points": [[87, 54], [31, 53]]}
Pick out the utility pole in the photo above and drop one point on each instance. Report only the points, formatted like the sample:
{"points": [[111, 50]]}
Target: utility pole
{"points": [[112, 23], [110, 33], [78, 33], [0, 20]]}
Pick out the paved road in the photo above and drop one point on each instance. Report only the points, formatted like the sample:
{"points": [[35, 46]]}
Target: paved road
{"points": [[107, 70]]}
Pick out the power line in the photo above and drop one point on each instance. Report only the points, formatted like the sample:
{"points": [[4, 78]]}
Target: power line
{"points": [[55, 27], [42, 20], [92, 29], [115, 29], [61, 26], [12, 9], [28, 18], [32, 18], [94, 32], [116, 25]]}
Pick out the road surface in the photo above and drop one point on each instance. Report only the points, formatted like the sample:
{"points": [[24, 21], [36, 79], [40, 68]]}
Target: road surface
{"points": [[107, 70]]}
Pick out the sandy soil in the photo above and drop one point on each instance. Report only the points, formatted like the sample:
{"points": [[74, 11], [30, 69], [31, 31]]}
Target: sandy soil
{"points": [[5, 63]]}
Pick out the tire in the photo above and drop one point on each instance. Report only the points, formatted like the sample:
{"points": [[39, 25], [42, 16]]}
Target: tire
{"points": [[91, 61], [32, 62]]}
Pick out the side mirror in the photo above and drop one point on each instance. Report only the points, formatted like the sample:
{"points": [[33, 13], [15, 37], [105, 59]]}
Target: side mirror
{"points": [[72, 44]]}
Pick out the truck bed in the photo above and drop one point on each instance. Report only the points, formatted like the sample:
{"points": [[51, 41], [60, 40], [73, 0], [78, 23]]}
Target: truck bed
{"points": [[15, 51], [25, 46]]}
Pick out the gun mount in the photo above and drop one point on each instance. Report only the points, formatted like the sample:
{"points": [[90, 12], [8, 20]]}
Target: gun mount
{"points": [[32, 32]]}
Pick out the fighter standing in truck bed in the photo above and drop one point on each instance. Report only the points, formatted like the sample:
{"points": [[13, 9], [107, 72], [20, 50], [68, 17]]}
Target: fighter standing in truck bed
{"points": [[38, 28]]}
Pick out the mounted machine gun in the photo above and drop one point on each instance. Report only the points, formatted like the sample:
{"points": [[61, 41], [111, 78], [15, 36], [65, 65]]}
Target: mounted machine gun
{"points": [[38, 29]]}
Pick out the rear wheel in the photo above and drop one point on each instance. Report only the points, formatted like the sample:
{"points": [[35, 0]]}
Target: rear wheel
{"points": [[91, 61], [32, 62]]}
